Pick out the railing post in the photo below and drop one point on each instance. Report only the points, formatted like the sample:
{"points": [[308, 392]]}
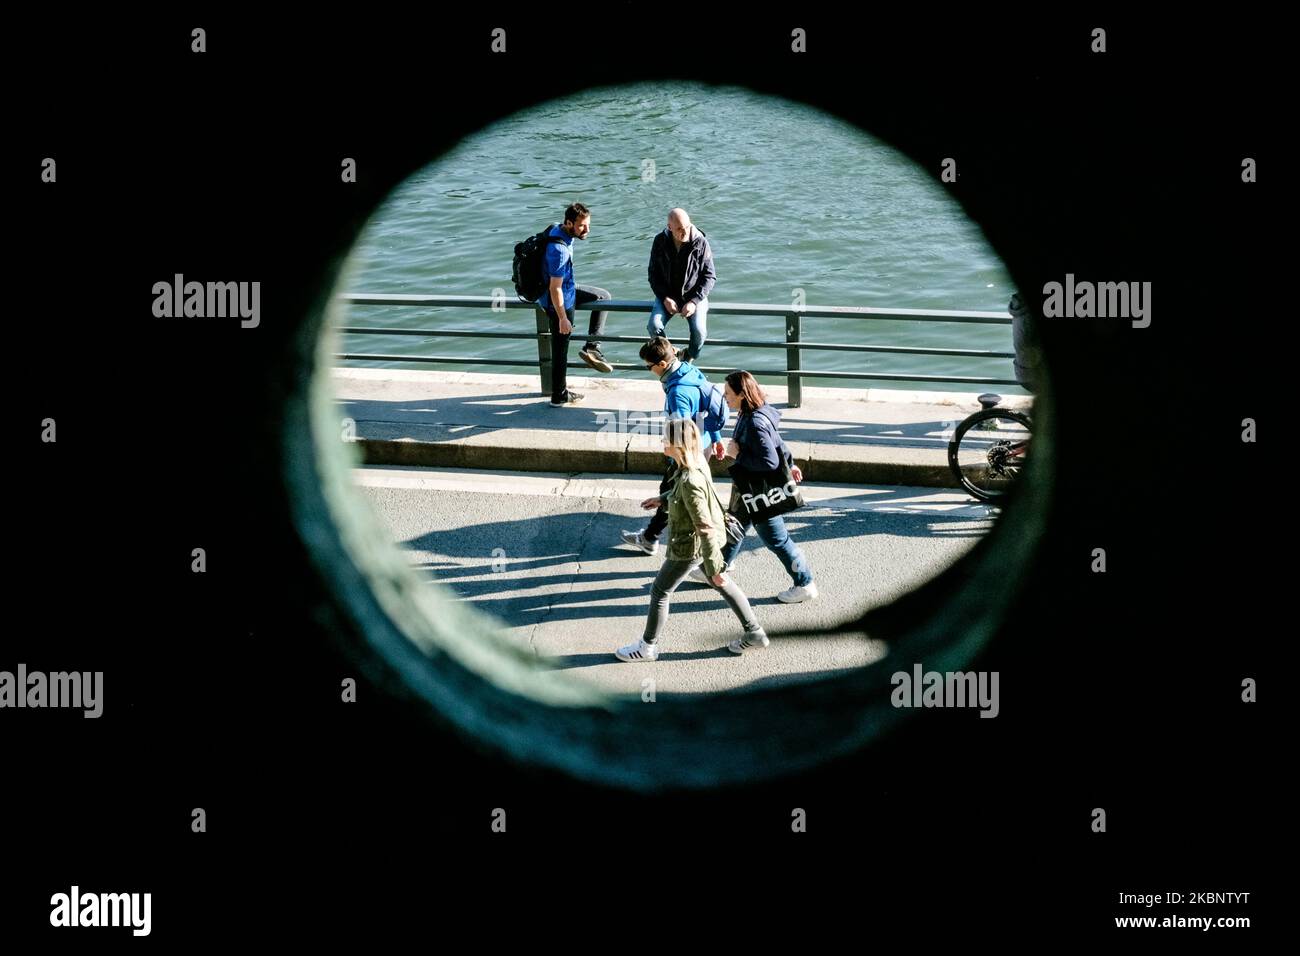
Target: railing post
{"points": [[793, 360], [544, 349]]}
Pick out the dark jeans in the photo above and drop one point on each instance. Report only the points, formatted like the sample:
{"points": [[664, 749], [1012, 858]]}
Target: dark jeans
{"points": [[773, 534], [673, 573], [659, 520], [560, 343]]}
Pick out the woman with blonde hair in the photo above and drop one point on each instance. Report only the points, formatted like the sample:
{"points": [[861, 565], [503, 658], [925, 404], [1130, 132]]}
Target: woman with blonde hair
{"points": [[697, 532]]}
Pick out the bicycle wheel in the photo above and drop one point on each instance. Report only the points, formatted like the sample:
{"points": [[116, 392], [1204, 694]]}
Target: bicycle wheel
{"points": [[988, 451]]}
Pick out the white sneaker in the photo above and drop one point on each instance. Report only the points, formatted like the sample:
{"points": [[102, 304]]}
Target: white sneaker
{"points": [[796, 595], [748, 641], [697, 574], [640, 651], [637, 540]]}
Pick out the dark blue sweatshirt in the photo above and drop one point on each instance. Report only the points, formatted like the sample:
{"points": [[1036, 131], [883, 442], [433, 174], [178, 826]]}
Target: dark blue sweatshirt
{"points": [[759, 440]]}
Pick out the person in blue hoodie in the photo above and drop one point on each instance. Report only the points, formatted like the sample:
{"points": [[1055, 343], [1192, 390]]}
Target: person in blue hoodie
{"points": [[757, 446], [684, 386]]}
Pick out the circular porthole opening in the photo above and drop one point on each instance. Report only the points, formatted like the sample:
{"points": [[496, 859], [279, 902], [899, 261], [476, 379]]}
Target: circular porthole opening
{"points": [[427, 635]]}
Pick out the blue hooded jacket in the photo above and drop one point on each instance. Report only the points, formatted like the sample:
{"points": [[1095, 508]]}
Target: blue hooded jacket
{"points": [[683, 398]]}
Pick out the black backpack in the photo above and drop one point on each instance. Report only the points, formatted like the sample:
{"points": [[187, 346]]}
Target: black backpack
{"points": [[527, 268]]}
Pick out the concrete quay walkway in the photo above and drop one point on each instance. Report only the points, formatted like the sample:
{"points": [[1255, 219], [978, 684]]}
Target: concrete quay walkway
{"points": [[502, 422]]}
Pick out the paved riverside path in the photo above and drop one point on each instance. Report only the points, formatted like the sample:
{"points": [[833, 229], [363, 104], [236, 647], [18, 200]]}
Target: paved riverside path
{"points": [[569, 589], [499, 422]]}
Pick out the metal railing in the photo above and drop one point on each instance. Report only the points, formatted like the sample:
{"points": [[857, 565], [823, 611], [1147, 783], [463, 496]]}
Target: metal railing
{"points": [[794, 344]]}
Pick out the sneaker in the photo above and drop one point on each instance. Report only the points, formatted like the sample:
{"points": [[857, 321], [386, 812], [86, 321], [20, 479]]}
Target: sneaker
{"points": [[697, 574], [639, 651], [796, 595], [748, 641], [593, 358], [637, 539], [570, 398], [681, 355]]}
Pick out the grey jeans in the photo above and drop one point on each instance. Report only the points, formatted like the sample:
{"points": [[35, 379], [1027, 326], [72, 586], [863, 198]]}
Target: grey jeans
{"points": [[674, 573]]}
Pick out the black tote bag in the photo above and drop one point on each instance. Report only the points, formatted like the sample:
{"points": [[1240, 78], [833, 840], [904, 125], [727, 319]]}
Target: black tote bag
{"points": [[765, 494]]}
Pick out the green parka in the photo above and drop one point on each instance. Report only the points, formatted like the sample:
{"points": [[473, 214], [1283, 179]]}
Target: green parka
{"points": [[696, 525]]}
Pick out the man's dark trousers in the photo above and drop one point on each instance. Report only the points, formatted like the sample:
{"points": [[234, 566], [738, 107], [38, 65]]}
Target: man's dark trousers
{"points": [[560, 343]]}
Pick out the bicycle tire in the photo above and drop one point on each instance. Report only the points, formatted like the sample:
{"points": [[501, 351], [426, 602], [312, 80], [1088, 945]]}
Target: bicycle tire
{"points": [[975, 491]]}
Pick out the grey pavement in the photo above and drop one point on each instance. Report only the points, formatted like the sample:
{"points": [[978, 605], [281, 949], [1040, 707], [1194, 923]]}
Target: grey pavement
{"points": [[542, 553], [462, 419]]}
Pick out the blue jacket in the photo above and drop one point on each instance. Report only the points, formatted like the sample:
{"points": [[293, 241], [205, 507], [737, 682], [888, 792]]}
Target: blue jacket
{"points": [[759, 440], [683, 398]]}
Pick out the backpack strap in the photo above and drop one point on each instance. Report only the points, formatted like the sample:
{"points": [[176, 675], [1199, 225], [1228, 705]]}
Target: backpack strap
{"points": [[706, 395]]}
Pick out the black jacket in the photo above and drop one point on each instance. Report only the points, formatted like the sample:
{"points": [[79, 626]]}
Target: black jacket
{"points": [[699, 273]]}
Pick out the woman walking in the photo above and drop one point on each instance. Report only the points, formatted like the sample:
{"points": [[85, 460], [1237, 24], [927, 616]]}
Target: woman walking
{"points": [[757, 446], [697, 532]]}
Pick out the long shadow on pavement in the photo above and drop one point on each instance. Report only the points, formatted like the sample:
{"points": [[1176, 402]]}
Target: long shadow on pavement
{"points": [[572, 661], [590, 539], [551, 538], [530, 410]]}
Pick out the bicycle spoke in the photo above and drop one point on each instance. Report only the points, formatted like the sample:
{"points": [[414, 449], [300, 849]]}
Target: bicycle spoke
{"points": [[989, 450]]}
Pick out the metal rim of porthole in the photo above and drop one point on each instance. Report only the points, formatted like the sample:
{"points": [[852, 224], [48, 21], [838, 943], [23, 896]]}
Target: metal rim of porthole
{"points": [[412, 638]]}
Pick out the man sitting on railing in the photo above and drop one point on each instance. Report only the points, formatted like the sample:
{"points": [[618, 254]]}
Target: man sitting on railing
{"points": [[681, 278], [561, 296]]}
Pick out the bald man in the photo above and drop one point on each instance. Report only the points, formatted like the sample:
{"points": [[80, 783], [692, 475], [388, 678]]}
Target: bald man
{"points": [[681, 278]]}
